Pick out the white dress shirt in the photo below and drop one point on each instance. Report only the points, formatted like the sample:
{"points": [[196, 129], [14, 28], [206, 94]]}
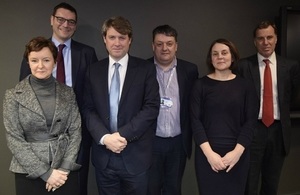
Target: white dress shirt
{"points": [[273, 67]]}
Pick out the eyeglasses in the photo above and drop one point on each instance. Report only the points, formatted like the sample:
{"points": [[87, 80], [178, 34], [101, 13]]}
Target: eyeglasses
{"points": [[62, 20]]}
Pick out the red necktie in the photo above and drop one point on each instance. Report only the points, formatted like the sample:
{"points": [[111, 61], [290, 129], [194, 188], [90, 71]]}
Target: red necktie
{"points": [[267, 109], [60, 71]]}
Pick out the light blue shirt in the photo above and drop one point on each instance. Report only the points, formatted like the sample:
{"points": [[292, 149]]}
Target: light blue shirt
{"points": [[67, 61], [168, 120]]}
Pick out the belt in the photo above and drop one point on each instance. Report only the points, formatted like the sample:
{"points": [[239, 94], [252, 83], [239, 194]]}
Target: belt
{"points": [[176, 136], [259, 120], [40, 137]]}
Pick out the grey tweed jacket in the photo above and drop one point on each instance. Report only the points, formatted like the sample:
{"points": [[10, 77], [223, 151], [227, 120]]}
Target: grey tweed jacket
{"points": [[23, 117]]}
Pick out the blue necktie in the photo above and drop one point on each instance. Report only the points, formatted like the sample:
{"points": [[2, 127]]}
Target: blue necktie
{"points": [[114, 98]]}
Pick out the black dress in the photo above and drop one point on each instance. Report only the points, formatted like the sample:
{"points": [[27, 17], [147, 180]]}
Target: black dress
{"points": [[222, 113], [25, 186]]}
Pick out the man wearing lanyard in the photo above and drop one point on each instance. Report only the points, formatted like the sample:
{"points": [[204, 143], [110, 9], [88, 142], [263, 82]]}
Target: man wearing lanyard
{"points": [[173, 140]]}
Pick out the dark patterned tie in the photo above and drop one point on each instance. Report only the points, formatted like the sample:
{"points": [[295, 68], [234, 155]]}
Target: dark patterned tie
{"points": [[267, 109], [60, 73], [114, 98]]}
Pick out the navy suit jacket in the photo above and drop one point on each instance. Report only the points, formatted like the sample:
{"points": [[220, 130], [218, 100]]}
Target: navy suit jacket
{"points": [[288, 75], [137, 114], [187, 73]]}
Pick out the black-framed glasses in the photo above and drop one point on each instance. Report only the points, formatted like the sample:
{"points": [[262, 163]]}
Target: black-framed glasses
{"points": [[62, 20]]}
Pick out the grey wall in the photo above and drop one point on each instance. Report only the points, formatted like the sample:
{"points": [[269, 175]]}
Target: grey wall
{"points": [[198, 22]]}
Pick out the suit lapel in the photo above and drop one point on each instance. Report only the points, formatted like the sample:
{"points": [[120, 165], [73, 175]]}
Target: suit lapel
{"points": [[281, 72], [27, 97], [99, 77], [180, 77], [75, 55], [129, 78], [60, 100], [103, 81], [254, 69]]}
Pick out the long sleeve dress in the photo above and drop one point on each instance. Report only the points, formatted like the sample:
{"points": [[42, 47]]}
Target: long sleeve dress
{"points": [[223, 113]]}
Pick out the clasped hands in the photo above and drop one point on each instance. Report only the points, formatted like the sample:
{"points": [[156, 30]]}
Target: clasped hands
{"points": [[56, 179], [226, 162], [115, 142]]}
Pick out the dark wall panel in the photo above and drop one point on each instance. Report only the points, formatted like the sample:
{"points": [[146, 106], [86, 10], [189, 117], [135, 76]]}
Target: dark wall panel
{"points": [[198, 23]]}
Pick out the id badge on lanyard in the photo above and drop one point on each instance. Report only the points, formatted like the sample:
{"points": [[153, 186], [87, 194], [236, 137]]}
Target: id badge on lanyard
{"points": [[166, 102]]}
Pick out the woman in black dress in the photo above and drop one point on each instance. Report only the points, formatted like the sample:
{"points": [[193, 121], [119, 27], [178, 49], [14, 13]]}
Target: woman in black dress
{"points": [[223, 114]]}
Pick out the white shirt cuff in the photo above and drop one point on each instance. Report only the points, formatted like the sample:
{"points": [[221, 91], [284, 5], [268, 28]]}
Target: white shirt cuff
{"points": [[102, 139]]}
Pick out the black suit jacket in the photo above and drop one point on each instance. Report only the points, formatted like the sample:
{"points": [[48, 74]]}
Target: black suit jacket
{"points": [[187, 73], [288, 75], [137, 114]]}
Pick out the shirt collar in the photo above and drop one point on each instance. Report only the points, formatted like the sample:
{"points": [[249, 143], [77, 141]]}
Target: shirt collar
{"points": [[123, 61], [57, 43], [174, 64], [272, 58]]}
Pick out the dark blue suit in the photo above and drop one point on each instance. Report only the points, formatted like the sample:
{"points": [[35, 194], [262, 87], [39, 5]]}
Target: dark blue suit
{"points": [[138, 110], [264, 159], [82, 56]]}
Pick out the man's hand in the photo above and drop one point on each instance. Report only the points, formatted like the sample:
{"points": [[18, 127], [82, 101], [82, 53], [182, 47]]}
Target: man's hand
{"points": [[115, 142]]}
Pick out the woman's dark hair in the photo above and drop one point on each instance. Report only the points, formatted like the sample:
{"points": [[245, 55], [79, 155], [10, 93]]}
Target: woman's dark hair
{"points": [[37, 44]]}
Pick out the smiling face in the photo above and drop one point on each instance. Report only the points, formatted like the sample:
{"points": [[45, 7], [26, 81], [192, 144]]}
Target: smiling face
{"points": [[63, 31], [41, 63], [265, 41], [164, 48], [221, 57], [117, 44]]}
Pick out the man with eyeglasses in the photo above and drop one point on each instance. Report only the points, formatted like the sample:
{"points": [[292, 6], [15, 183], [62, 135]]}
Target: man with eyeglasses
{"points": [[77, 57]]}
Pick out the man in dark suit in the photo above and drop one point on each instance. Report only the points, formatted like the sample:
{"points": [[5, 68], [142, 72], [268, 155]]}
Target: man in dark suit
{"points": [[122, 131], [173, 140], [77, 57], [271, 142]]}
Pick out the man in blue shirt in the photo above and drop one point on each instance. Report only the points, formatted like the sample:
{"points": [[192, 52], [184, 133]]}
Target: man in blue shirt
{"points": [[173, 140]]}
